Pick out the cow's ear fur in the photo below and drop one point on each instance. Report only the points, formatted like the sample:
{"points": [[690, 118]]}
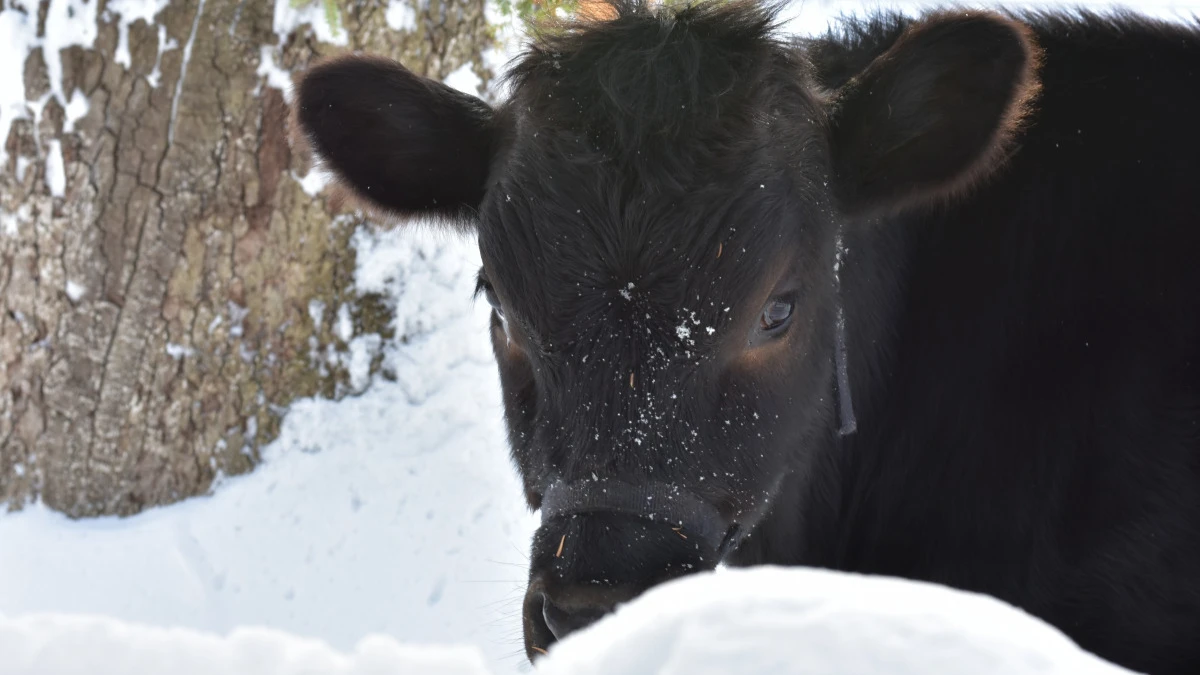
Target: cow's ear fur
{"points": [[933, 114], [404, 145]]}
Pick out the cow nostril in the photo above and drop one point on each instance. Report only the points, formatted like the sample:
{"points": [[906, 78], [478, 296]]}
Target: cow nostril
{"points": [[562, 622]]}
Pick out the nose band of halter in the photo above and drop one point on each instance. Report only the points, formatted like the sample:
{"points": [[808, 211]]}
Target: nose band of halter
{"points": [[658, 502]]}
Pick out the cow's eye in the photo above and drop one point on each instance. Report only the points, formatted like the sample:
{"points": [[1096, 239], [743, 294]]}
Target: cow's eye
{"points": [[490, 294], [776, 314], [484, 286]]}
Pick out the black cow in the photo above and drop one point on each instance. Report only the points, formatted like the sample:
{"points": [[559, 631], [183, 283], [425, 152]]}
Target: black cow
{"points": [[919, 298]]}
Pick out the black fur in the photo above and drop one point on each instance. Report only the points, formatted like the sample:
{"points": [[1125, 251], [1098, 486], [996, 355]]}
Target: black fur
{"points": [[931, 114], [412, 146], [1018, 199]]}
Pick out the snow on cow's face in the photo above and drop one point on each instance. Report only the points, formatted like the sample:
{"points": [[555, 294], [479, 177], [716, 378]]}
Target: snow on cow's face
{"points": [[654, 338], [657, 208], [644, 329]]}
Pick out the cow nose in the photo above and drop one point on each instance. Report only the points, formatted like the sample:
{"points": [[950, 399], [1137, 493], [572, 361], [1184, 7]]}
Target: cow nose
{"points": [[563, 622]]}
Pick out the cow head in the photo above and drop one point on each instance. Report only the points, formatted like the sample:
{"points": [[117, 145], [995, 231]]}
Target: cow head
{"points": [[658, 207]]}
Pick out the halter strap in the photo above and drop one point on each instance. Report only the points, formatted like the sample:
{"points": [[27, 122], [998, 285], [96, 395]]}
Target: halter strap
{"points": [[845, 404], [659, 502]]}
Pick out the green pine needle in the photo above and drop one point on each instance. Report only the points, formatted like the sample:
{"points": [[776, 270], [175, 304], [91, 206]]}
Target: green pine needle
{"points": [[332, 15]]}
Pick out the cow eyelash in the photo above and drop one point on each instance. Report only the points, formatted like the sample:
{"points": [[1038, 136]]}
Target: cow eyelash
{"points": [[485, 288], [482, 285]]}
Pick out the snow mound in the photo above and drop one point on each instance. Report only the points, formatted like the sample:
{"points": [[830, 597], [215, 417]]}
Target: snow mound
{"points": [[62, 644], [758, 621], [776, 621]]}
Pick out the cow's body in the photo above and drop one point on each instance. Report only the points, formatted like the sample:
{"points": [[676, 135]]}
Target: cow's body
{"points": [[1026, 368], [659, 208]]}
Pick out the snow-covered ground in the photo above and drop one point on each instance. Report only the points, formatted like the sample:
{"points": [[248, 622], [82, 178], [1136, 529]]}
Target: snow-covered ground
{"points": [[397, 513], [767, 621]]}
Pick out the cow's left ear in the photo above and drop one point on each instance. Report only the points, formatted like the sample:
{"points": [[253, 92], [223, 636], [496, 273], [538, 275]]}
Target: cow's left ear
{"points": [[405, 145], [933, 114]]}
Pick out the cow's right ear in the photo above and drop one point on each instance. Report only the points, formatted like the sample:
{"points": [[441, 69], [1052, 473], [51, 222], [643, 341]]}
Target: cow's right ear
{"points": [[934, 114], [405, 145]]}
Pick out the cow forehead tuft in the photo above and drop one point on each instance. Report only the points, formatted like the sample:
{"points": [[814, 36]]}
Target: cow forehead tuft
{"points": [[652, 75]]}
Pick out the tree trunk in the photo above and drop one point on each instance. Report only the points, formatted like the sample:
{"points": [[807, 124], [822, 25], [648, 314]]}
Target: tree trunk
{"points": [[167, 285]]}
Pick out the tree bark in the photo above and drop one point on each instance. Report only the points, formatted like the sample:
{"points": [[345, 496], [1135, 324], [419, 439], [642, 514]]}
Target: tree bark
{"points": [[158, 317]]}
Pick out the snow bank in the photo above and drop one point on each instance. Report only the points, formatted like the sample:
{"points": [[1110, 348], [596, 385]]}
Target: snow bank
{"points": [[776, 621], [761, 621], [57, 644]]}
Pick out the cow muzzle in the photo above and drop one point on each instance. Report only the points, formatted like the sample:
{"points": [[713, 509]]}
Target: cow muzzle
{"points": [[603, 542]]}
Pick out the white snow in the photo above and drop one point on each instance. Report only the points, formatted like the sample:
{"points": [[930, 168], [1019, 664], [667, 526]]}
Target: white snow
{"points": [[276, 77], [130, 11], [56, 177], [56, 644], [68, 22], [22, 166], [8, 223], [179, 351], [76, 108], [17, 36], [314, 182], [165, 44], [316, 312], [344, 327], [761, 621], [362, 349], [75, 290], [775, 621]]}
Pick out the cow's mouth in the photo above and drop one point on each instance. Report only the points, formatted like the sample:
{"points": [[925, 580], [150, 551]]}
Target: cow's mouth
{"points": [[623, 539], [538, 636], [548, 620]]}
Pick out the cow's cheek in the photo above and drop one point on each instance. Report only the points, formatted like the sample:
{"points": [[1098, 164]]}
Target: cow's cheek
{"points": [[519, 395]]}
